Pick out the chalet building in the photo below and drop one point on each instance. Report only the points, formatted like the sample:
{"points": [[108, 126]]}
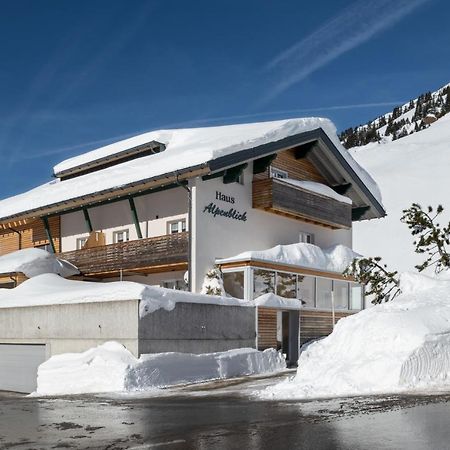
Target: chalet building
{"points": [[165, 207]]}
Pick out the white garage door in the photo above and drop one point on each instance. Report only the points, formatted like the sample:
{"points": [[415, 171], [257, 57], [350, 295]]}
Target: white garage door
{"points": [[18, 366]]}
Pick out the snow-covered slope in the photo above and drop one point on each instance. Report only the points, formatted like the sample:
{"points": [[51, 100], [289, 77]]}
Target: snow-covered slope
{"points": [[402, 345], [415, 168], [403, 120]]}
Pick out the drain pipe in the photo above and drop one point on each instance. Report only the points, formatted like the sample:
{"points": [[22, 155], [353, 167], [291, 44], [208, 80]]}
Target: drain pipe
{"points": [[20, 236], [188, 189]]}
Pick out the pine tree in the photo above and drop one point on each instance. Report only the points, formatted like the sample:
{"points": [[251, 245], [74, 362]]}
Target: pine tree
{"points": [[213, 282]]}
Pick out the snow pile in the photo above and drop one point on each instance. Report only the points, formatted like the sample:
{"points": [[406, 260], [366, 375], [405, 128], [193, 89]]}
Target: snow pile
{"points": [[185, 148], [411, 169], [333, 259], [34, 261], [400, 346], [318, 188], [110, 367]]}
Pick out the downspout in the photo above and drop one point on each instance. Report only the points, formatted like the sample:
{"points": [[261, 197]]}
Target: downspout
{"points": [[184, 186], [20, 236]]}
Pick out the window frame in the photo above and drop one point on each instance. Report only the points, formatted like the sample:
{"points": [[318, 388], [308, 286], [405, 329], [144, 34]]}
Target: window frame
{"points": [[274, 170], [179, 223], [116, 233]]}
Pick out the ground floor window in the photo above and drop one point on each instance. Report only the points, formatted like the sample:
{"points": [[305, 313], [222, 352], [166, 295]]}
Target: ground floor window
{"points": [[233, 283], [314, 292], [263, 282], [340, 290], [306, 290]]}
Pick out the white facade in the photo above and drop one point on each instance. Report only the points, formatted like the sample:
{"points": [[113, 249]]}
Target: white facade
{"points": [[221, 237]]}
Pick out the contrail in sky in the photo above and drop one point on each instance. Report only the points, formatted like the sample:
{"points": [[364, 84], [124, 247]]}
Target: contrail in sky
{"points": [[86, 146], [354, 26]]}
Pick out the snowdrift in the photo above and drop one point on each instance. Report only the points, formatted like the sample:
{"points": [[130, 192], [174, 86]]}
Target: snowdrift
{"points": [[112, 368], [399, 346], [34, 261]]}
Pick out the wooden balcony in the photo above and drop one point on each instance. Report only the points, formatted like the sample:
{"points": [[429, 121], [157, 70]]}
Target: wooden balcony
{"points": [[279, 197], [150, 255]]}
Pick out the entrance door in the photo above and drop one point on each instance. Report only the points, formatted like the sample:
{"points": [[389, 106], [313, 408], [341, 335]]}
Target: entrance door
{"points": [[18, 366]]}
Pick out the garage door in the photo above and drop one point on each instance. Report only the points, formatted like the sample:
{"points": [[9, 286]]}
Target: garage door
{"points": [[18, 366]]}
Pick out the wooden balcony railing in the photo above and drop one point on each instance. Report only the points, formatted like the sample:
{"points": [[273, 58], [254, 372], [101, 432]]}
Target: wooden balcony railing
{"points": [[150, 255], [280, 197]]}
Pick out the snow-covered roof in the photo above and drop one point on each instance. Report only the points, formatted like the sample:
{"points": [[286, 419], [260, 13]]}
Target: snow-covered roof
{"points": [[187, 150], [34, 261], [334, 259]]}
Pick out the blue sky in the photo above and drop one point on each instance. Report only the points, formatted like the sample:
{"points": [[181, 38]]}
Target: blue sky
{"points": [[78, 75]]}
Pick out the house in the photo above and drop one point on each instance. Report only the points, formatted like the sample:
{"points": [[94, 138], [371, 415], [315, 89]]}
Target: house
{"points": [[165, 207]]}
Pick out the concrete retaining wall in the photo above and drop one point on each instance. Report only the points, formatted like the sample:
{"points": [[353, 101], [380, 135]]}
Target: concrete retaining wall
{"points": [[72, 327], [197, 328]]}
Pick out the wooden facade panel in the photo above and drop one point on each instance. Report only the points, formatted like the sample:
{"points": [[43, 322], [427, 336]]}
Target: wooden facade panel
{"points": [[280, 197], [163, 251], [267, 328], [32, 234], [297, 169], [316, 324]]}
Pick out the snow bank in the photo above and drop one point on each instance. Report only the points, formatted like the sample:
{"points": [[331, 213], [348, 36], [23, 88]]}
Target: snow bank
{"points": [[318, 188], [333, 259], [110, 367], [34, 261], [400, 346], [184, 148]]}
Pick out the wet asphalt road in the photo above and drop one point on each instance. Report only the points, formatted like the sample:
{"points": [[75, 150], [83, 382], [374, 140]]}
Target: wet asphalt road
{"points": [[223, 417]]}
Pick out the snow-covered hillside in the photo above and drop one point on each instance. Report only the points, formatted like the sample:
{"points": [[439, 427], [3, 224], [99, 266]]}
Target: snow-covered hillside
{"points": [[415, 115], [415, 168]]}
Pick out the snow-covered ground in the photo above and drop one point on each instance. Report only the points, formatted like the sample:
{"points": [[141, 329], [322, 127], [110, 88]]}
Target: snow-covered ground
{"points": [[400, 346], [411, 169], [112, 368]]}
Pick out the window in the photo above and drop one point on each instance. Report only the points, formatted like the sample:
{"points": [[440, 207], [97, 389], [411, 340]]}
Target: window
{"points": [[263, 282], [286, 285], [356, 296], [81, 242], [323, 293], [120, 236], [307, 238], [177, 226], [233, 283], [306, 289], [278, 173], [340, 289], [178, 285]]}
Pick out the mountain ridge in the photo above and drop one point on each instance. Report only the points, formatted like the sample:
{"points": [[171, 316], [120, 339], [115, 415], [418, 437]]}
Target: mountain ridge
{"points": [[411, 117]]}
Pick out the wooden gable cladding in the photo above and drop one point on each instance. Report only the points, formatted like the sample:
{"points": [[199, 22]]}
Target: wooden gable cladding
{"points": [[297, 169], [279, 197], [32, 234]]}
